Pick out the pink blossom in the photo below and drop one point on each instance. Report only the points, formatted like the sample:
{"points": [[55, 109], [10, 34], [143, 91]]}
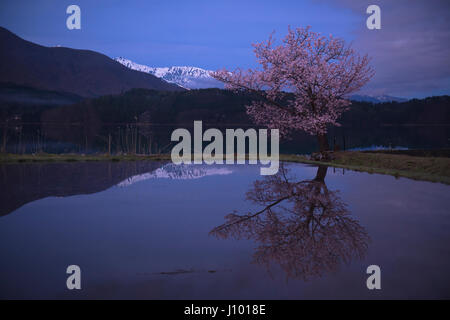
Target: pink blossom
{"points": [[303, 83]]}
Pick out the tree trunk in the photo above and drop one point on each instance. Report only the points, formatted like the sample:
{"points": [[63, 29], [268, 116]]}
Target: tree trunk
{"points": [[323, 142], [321, 173]]}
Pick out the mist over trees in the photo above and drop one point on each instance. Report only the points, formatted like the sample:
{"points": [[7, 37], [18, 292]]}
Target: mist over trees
{"points": [[92, 124]]}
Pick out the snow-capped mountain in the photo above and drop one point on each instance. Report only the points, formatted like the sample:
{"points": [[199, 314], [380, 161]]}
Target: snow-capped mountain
{"points": [[198, 78], [184, 76], [377, 98], [177, 172]]}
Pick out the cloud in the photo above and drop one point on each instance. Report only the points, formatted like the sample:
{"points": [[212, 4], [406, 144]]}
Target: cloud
{"points": [[411, 52]]}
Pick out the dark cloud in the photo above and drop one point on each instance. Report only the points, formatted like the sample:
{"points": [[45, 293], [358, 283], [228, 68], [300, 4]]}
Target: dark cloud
{"points": [[411, 52]]}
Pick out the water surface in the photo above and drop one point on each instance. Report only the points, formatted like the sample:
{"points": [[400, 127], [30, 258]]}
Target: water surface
{"points": [[155, 231]]}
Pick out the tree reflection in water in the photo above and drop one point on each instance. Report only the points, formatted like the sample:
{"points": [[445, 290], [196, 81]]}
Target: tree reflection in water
{"points": [[303, 227]]}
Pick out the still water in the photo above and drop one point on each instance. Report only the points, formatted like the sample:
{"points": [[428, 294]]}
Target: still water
{"points": [[158, 231]]}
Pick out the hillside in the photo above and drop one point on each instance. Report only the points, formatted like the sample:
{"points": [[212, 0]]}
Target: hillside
{"points": [[12, 94], [82, 72], [215, 106]]}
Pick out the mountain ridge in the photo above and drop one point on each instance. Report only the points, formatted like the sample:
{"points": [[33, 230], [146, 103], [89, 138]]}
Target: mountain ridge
{"points": [[83, 72], [188, 77], [191, 77], [377, 98]]}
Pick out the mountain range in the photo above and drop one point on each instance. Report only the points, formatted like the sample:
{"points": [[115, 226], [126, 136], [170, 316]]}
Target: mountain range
{"points": [[184, 76], [82, 72], [88, 73], [60, 180], [377, 98], [197, 78], [177, 172]]}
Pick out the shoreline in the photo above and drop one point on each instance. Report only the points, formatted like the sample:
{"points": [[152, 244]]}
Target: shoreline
{"points": [[424, 168]]}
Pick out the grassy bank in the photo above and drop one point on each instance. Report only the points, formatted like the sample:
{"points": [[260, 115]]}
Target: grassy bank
{"points": [[435, 169], [428, 168]]}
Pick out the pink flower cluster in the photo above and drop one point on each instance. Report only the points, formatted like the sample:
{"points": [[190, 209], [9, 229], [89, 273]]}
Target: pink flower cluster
{"points": [[303, 83]]}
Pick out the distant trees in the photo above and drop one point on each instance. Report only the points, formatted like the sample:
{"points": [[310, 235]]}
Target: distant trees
{"points": [[402, 123], [303, 84]]}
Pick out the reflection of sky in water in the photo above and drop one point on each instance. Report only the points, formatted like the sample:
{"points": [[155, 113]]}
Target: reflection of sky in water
{"points": [[123, 238]]}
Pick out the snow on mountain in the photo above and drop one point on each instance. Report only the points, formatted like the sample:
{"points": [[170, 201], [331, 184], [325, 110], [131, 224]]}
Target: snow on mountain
{"points": [[377, 98], [178, 172], [133, 65], [198, 78], [184, 76]]}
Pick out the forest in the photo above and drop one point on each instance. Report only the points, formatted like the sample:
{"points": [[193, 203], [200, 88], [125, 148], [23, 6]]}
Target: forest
{"points": [[140, 120]]}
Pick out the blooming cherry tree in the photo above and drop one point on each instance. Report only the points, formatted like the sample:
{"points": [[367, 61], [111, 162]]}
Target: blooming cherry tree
{"points": [[303, 83]]}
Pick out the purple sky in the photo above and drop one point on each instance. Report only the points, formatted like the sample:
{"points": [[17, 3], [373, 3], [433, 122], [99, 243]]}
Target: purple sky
{"points": [[410, 53]]}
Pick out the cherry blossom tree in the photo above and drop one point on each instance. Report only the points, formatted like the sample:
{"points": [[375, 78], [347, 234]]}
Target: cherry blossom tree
{"points": [[303, 83]]}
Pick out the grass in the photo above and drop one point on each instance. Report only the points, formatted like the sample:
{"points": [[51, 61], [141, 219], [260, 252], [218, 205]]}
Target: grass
{"points": [[428, 168], [435, 169]]}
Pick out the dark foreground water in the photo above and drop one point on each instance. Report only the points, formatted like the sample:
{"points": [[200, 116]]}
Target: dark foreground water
{"points": [[155, 231]]}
